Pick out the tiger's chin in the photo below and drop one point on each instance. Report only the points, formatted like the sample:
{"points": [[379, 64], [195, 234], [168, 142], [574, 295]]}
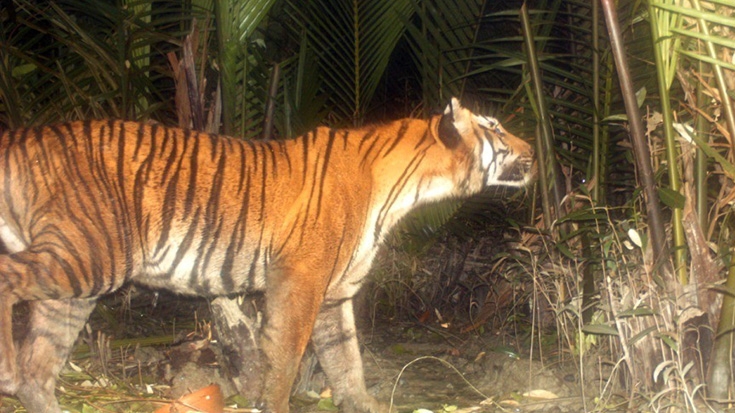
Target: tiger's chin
{"points": [[518, 175]]}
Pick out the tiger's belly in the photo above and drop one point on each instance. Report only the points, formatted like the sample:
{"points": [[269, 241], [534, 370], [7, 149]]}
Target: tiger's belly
{"points": [[194, 271]]}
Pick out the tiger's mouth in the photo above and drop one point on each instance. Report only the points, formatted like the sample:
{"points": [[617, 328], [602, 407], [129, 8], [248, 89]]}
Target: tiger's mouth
{"points": [[519, 173]]}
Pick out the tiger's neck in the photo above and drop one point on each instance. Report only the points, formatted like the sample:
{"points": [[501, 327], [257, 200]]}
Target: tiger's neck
{"points": [[413, 169]]}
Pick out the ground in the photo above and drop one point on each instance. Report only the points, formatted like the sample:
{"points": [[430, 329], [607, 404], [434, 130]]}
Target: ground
{"points": [[417, 365]]}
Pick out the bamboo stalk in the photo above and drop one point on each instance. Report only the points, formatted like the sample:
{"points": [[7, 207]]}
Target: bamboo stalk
{"points": [[596, 152], [659, 35], [700, 167], [227, 64], [720, 366], [546, 137], [640, 148]]}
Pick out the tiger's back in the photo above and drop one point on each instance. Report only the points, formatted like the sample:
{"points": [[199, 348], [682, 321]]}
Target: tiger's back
{"points": [[177, 209], [88, 206]]}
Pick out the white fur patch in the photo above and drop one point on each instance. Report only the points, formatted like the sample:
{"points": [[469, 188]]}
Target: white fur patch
{"points": [[462, 117], [487, 122], [13, 242], [453, 107], [487, 154]]}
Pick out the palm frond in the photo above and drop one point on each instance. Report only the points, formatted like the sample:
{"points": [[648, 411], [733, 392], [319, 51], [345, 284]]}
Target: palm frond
{"points": [[353, 42], [237, 22], [442, 37], [82, 58]]}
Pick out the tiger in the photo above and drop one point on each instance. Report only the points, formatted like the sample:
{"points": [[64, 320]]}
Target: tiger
{"points": [[88, 206]]}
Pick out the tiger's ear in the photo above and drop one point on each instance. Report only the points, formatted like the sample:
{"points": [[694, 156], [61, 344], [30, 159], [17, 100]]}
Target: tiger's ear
{"points": [[452, 124], [455, 123]]}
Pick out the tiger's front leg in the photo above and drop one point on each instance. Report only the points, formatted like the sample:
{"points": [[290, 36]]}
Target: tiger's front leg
{"points": [[293, 298], [335, 341]]}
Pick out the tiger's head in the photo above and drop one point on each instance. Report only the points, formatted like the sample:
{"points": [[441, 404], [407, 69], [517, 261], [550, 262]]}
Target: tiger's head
{"points": [[499, 157]]}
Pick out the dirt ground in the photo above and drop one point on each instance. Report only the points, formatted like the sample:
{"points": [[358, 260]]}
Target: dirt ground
{"points": [[418, 365], [430, 368], [426, 367]]}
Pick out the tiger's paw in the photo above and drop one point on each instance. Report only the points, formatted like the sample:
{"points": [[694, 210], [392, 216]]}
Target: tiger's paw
{"points": [[363, 404], [8, 383]]}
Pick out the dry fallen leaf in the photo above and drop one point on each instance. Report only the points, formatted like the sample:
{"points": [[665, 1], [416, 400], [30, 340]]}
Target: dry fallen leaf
{"points": [[541, 394], [205, 400]]}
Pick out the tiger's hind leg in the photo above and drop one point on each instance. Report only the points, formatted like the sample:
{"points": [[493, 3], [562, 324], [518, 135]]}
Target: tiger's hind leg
{"points": [[51, 272], [54, 327], [18, 272], [8, 368]]}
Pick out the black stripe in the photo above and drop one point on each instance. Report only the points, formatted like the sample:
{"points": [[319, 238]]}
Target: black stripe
{"points": [[325, 166], [424, 139], [271, 152], [170, 196], [285, 154], [398, 138], [206, 258], [367, 136], [395, 192], [305, 155], [193, 169], [140, 137], [185, 244], [375, 138]]}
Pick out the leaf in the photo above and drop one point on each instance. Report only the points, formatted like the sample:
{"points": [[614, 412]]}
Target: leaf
{"points": [[686, 368], [564, 249], [621, 117], [642, 334], [354, 41], [637, 312], [440, 39], [88, 409], [635, 237], [671, 198], [661, 366], [687, 132], [640, 96], [23, 69], [602, 329], [541, 394], [673, 345], [327, 404]]}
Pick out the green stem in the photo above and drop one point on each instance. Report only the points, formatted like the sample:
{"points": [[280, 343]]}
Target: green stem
{"points": [[721, 363], [227, 62], [671, 148], [546, 137], [700, 167], [597, 184]]}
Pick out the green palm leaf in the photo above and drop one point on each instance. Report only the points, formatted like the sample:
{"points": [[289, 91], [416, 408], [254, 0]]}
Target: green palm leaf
{"points": [[442, 39], [237, 21], [83, 59], [353, 41]]}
